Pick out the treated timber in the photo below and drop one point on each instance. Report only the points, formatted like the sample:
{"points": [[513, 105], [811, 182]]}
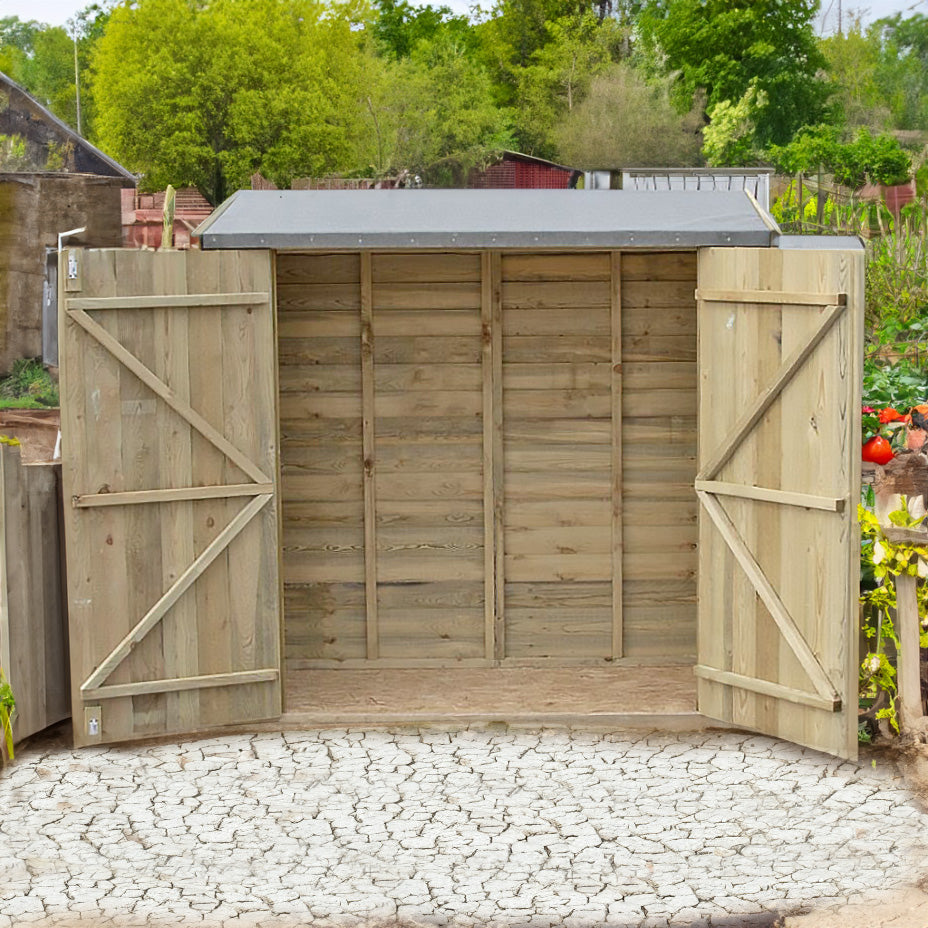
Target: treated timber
{"points": [[492, 369], [617, 546], [518, 455], [188, 399], [791, 361], [33, 623], [369, 457]]}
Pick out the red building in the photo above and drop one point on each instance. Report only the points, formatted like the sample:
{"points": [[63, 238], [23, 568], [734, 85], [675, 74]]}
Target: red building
{"points": [[515, 171], [142, 217]]}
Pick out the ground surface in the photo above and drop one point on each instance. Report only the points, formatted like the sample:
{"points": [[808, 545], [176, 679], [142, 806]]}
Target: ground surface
{"points": [[484, 827]]}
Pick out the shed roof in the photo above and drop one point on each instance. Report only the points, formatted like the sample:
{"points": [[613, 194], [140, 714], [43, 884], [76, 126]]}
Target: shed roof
{"points": [[525, 219], [21, 114]]}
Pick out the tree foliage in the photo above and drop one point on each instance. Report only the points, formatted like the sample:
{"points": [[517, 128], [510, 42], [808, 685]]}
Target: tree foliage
{"points": [[207, 94], [725, 47], [624, 120]]}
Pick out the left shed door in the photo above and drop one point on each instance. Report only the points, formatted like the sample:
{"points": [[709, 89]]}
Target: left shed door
{"points": [[169, 453]]}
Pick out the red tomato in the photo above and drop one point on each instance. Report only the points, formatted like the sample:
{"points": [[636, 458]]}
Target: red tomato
{"points": [[877, 450], [889, 415]]}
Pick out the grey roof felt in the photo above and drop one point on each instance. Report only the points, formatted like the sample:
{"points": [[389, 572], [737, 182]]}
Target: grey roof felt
{"points": [[524, 219]]}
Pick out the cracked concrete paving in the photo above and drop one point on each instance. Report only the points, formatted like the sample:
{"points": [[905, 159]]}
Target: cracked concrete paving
{"points": [[482, 826]]}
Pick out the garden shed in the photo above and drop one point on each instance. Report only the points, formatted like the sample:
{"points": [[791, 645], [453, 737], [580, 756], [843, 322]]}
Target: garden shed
{"points": [[434, 454]]}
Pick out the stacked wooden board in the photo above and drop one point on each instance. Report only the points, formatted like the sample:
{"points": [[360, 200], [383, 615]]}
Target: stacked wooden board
{"points": [[487, 458]]}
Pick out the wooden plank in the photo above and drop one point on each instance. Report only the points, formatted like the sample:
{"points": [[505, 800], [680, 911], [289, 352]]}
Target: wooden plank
{"points": [[300, 407], [547, 513], [423, 348], [182, 684], [326, 297], [571, 267], [578, 485], [767, 688], [213, 592], [526, 458], [434, 403], [660, 375], [581, 320], [557, 432], [752, 416], [428, 456], [595, 377], [317, 268], [426, 268], [447, 486], [658, 404], [583, 595], [178, 588], [783, 497], [770, 597], [558, 348], [418, 323], [399, 378], [617, 540], [658, 320], [419, 567], [659, 294], [561, 539], [33, 637], [320, 378], [406, 295], [671, 265], [555, 567], [772, 297], [909, 658], [311, 324], [493, 503], [178, 626], [647, 348], [556, 295], [368, 405], [556, 404], [414, 512], [167, 301], [136, 497], [297, 351], [162, 390]]}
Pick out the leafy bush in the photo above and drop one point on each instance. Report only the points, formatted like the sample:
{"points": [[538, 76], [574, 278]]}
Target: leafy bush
{"points": [[875, 158], [901, 385], [29, 386]]}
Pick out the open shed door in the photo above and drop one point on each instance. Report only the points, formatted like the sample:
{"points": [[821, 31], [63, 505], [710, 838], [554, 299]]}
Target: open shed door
{"points": [[169, 428], [778, 481]]}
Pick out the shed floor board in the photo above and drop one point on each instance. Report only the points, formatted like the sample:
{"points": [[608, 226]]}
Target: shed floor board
{"points": [[502, 693]]}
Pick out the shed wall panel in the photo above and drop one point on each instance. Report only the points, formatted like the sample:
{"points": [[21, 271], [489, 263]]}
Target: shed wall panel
{"points": [[575, 517]]}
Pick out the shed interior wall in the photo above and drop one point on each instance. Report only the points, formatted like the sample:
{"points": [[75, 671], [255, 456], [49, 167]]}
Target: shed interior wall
{"points": [[487, 459]]}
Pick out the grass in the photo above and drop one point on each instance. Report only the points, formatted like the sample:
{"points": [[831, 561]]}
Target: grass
{"points": [[28, 386]]}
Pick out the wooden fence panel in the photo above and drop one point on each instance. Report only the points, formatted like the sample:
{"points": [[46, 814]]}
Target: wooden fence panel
{"points": [[169, 437], [502, 445], [33, 623]]}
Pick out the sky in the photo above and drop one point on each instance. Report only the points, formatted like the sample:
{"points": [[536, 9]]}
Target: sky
{"points": [[57, 12]]}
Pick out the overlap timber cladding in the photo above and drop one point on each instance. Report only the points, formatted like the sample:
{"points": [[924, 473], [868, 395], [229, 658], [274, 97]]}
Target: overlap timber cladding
{"points": [[488, 457]]}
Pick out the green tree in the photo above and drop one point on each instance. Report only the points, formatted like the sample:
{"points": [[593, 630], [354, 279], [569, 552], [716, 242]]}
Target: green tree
{"points": [[625, 121], [901, 75], [726, 46], [206, 94], [559, 76], [439, 113], [399, 27], [853, 61]]}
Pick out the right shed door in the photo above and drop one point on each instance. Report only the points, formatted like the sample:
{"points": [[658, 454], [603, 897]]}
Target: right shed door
{"points": [[779, 351]]}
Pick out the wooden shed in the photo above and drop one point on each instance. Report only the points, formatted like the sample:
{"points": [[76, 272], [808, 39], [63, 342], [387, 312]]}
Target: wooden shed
{"points": [[406, 455]]}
